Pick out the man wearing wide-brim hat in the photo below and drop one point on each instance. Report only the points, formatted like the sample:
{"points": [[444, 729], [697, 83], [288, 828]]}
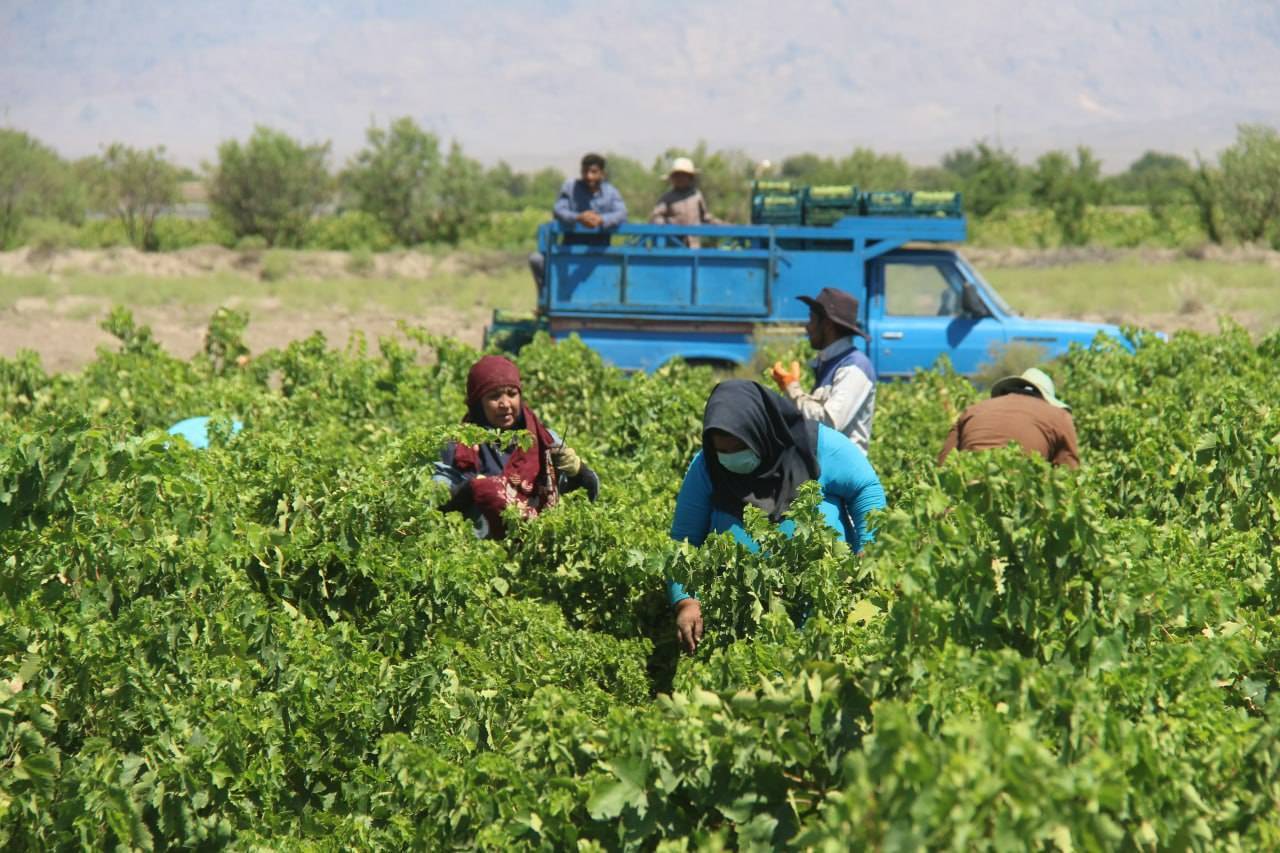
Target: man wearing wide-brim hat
{"points": [[1022, 409], [844, 394], [683, 204]]}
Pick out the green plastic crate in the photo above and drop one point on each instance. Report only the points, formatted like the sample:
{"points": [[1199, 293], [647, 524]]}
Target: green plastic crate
{"points": [[825, 205], [774, 188], [777, 209], [834, 195], [935, 203], [887, 203], [908, 203]]}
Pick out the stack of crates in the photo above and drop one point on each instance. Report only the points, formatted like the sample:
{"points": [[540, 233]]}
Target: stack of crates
{"points": [[908, 203], [827, 205], [777, 203]]}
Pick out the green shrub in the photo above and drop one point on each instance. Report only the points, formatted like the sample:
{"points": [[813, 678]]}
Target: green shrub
{"points": [[270, 186], [251, 243], [102, 234], [276, 265], [514, 230], [350, 230], [1114, 227], [48, 235], [173, 233]]}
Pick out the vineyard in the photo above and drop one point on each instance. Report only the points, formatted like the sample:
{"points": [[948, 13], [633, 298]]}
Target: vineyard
{"points": [[278, 643]]}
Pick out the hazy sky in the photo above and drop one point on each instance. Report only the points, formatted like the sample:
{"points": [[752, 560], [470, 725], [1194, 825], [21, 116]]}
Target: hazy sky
{"points": [[539, 82]]}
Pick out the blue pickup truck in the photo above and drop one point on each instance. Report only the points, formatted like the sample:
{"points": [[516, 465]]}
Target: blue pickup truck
{"points": [[647, 295]]}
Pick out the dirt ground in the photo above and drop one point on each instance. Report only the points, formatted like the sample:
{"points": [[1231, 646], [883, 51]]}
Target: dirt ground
{"points": [[65, 330], [66, 333], [206, 260]]}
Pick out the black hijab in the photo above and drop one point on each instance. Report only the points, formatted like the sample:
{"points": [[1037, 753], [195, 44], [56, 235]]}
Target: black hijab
{"points": [[773, 427]]}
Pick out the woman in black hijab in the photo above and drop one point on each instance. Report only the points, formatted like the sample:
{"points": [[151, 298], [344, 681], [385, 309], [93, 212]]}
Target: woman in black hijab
{"points": [[757, 449]]}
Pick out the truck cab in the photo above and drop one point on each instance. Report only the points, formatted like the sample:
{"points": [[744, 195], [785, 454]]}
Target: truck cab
{"points": [[647, 297]]}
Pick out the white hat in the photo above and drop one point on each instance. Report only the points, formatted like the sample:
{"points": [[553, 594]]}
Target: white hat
{"points": [[682, 164]]}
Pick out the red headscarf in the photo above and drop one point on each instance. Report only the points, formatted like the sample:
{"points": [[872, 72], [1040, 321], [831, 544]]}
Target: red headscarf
{"points": [[529, 477], [488, 374]]}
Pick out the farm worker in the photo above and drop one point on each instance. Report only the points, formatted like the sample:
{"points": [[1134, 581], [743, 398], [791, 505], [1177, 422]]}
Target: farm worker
{"points": [[844, 394], [683, 204], [196, 430], [590, 201], [483, 480], [757, 449], [1021, 409]]}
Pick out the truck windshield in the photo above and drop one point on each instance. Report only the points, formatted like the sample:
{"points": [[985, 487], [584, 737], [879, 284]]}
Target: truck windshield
{"points": [[994, 294]]}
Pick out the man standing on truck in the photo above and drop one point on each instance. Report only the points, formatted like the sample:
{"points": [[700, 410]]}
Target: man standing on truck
{"points": [[589, 201], [844, 396], [683, 204], [1023, 410]]}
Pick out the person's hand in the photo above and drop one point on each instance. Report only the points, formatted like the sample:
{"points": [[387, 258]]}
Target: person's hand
{"points": [[566, 462], [785, 377], [590, 481], [689, 624], [590, 218]]}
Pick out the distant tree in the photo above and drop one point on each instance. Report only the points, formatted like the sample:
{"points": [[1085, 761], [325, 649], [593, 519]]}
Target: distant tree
{"points": [[1158, 180], [1250, 184], [933, 178], [639, 186], [506, 186], [871, 171], [465, 197], [542, 187], [1067, 188], [808, 169], [34, 181], [136, 186], [1205, 189], [961, 162], [512, 190], [861, 167], [271, 186], [1165, 173], [397, 177], [989, 177]]}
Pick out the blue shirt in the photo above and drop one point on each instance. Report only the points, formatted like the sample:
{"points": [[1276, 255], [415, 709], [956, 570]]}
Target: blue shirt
{"points": [[575, 198], [196, 430], [850, 489]]}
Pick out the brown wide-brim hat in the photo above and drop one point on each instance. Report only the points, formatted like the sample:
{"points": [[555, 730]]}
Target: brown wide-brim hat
{"points": [[838, 306]]}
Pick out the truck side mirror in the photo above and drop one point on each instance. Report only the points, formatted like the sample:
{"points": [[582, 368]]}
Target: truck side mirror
{"points": [[972, 303]]}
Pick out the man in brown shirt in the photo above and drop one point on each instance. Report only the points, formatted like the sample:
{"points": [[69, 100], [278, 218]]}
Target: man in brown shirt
{"points": [[1022, 409]]}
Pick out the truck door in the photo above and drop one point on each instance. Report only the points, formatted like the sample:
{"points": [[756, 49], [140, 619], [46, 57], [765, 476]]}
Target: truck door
{"points": [[919, 313]]}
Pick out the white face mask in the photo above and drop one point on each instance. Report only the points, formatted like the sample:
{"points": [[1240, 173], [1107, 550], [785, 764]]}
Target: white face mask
{"points": [[741, 462]]}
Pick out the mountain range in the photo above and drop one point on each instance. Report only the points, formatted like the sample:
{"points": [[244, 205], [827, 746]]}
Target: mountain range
{"points": [[537, 82]]}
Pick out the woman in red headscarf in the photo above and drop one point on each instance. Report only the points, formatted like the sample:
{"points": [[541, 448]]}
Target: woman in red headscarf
{"points": [[486, 479]]}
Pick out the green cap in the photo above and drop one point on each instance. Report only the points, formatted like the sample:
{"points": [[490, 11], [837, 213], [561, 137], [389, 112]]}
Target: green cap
{"points": [[1034, 377]]}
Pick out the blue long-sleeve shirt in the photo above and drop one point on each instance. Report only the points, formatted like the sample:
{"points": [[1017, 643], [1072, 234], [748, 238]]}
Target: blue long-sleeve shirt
{"points": [[576, 198], [850, 489]]}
